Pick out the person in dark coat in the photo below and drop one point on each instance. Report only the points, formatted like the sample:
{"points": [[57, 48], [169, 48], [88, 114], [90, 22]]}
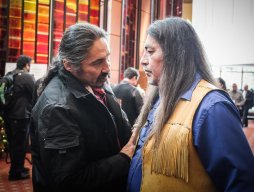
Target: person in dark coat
{"points": [[128, 95], [79, 134], [248, 104], [17, 117]]}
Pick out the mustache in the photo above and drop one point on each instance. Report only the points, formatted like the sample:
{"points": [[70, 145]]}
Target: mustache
{"points": [[104, 75], [148, 71]]}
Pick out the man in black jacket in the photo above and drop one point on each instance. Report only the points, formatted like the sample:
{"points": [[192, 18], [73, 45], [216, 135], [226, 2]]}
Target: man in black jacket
{"points": [[79, 134], [128, 95], [248, 104], [17, 117]]}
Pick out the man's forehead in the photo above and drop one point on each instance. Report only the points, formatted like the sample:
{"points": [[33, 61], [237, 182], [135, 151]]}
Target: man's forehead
{"points": [[151, 42], [100, 45]]}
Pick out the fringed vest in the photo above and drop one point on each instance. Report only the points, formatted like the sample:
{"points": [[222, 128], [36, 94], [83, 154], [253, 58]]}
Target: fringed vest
{"points": [[175, 165]]}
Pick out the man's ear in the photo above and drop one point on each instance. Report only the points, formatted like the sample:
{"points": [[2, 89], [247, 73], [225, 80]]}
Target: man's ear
{"points": [[27, 67], [67, 65]]}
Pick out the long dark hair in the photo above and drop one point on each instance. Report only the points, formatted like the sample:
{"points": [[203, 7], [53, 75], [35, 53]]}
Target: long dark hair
{"points": [[74, 48], [222, 83], [183, 59]]}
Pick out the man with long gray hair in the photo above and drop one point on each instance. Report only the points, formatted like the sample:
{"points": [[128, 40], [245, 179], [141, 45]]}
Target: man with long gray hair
{"points": [[79, 133], [190, 135]]}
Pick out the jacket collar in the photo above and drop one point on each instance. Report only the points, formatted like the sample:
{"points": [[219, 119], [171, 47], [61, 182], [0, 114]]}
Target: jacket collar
{"points": [[73, 84]]}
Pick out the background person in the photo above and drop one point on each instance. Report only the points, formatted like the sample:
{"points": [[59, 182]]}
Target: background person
{"points": [[79, 132], [190, 133], [248, 104], [128, 94], [17, 118], [237, 98], [222, 83]]}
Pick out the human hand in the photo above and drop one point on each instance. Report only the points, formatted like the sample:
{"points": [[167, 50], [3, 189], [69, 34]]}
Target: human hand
{"points": [[129, 148]]}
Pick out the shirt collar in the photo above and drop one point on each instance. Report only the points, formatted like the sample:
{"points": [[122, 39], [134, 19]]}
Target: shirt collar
{"points": [[188, 94]]}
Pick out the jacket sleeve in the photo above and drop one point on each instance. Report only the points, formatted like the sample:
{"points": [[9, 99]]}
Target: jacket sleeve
{"points": [[63, 154], [126, 129], [223, 147]]}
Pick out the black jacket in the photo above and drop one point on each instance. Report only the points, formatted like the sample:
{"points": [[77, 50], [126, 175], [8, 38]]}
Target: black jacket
{"points": [[130, 99], [249, 99], [21, 104], [76, 140]]}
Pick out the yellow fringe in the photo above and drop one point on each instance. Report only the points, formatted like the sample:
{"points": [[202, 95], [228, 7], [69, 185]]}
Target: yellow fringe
{"points": [[171, 158]]}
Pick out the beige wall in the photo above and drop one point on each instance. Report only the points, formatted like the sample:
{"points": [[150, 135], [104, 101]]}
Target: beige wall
{"points": [[187, 11], [145, 22], [114, 30]]}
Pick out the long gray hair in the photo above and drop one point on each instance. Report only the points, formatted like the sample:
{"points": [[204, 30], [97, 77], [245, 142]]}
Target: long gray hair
{"points": [[183, 59], [74, 48]]}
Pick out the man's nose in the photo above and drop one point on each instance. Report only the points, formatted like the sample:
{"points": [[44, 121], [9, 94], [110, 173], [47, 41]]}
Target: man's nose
{"points": [[106, 67], [144, 60]]}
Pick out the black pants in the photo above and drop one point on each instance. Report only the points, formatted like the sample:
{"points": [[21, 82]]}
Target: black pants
{"points": [[245, 116], [17, 136]]}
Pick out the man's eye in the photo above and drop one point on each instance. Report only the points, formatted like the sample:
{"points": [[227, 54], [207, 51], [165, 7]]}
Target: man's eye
{"points": [[98, 62]]}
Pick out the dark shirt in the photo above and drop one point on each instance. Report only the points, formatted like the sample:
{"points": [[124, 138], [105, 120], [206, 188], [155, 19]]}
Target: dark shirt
{"points": [[130, 99]]}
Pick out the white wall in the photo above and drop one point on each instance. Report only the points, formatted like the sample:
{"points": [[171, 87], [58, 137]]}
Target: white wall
{"points": [[38, 70], [226, 29]]}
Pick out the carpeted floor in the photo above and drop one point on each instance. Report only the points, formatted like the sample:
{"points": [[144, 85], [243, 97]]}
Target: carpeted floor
{"points": [[249, 132], [14, 186]]}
